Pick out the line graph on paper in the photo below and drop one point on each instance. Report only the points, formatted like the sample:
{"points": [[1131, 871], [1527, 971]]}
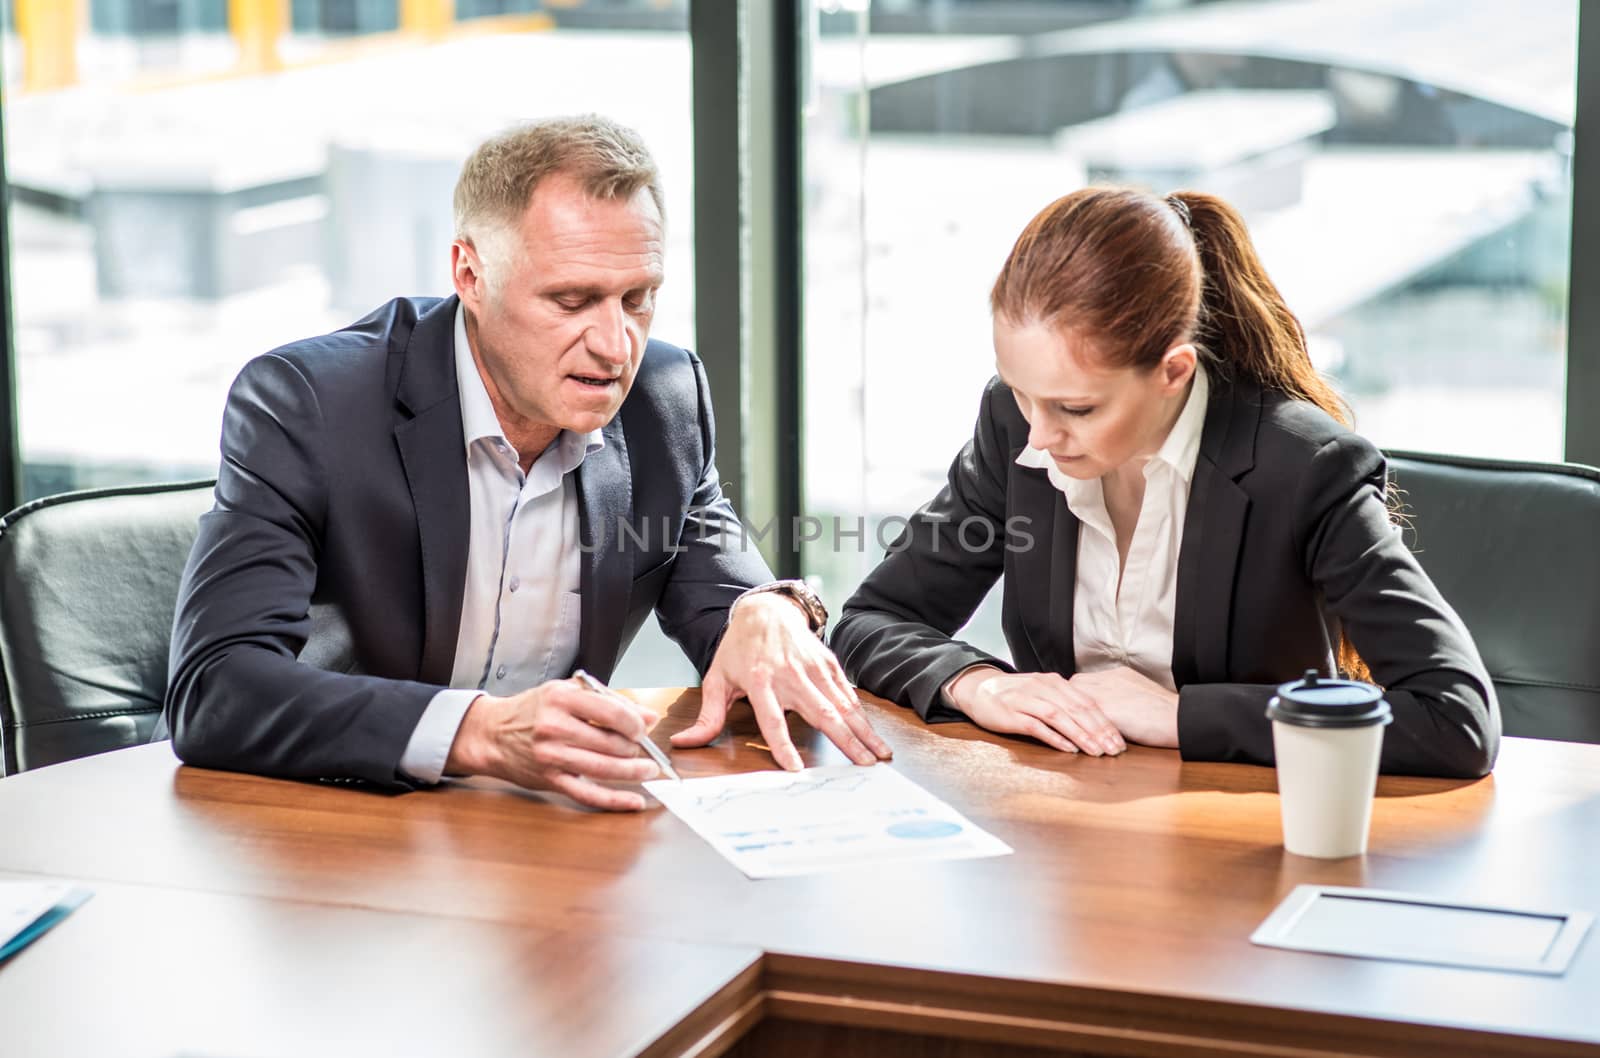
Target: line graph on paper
{"points": [[778, 823], [713, 801]]}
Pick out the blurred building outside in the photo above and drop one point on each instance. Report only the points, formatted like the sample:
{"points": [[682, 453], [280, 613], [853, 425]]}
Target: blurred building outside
{"points": [[196, 181]]}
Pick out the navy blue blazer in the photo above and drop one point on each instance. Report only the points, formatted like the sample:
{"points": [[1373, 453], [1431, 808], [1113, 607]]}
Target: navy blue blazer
{"points": [[1286, 544], [320, 607]]}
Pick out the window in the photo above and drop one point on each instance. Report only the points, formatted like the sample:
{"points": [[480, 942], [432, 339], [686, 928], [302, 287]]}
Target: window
{"points": [[1405, 168], [188, 191]]}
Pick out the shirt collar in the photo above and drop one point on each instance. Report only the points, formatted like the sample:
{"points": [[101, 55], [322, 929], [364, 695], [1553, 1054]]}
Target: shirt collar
{"points": [[479, 421], [1179, 451]]}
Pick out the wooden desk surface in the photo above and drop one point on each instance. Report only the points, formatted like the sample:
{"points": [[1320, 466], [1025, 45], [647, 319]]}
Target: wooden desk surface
{"points": [[154, 973], [1121, 925]]}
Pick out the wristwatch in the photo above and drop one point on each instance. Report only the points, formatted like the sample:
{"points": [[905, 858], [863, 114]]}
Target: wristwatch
{"points": [[801, 593]]}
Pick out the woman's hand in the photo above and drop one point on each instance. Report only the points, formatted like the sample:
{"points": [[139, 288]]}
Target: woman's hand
{"points": [[1041, 704], [1143, 710]]}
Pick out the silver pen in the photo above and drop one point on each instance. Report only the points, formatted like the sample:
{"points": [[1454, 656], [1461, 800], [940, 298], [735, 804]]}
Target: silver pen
{"points": [[650, 748]]}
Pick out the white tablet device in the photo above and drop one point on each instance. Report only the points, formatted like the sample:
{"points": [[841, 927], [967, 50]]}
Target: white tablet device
{"points": [[1409, 927]]}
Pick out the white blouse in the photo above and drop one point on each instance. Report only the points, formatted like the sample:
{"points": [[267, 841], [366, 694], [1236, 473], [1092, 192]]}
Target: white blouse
{"points": [[1132, 625]]}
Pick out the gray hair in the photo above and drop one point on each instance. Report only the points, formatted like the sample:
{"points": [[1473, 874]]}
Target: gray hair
{"points": [[497, 181]]}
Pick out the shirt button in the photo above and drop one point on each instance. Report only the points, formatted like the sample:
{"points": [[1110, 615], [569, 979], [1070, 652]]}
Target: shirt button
{"points": [[515, 583], [500, 673]]}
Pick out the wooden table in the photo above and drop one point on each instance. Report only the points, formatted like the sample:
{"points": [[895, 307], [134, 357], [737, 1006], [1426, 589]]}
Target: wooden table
{"points": [[241, 915]]}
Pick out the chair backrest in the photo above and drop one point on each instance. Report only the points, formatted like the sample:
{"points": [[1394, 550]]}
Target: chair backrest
{"points": [[1512, 546], [88, 583]]}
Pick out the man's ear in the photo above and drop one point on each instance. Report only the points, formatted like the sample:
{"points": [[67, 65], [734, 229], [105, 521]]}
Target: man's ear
{"points": [[466, 272], [1177, 366]]}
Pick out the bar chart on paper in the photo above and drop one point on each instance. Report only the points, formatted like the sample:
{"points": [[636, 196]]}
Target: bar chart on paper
{"points": [[773, 824]]}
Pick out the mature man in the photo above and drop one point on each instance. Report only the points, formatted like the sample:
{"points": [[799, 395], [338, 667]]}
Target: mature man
{"points": [[474, 490]]}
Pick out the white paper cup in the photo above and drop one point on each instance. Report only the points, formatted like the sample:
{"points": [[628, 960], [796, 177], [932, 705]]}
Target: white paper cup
{"points": [[1327, 736]]}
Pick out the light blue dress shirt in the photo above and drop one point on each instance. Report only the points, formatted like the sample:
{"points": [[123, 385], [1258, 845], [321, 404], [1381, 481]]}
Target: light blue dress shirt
{"points": [[521, 610]]}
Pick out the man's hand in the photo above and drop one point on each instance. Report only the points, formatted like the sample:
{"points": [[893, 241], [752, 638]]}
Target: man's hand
{"points": [[1143, 710], [1041, 704], [557, 736], [770, 655]]}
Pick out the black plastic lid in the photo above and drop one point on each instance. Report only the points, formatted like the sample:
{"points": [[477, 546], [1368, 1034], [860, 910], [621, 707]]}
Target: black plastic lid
{"points": [[1313, 701]]}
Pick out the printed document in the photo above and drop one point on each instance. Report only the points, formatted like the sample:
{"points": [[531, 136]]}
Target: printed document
{"points": [[774, 824]]}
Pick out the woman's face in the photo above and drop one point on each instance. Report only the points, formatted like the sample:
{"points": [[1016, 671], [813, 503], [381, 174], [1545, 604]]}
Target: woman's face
{"points": [[1091, 418]]}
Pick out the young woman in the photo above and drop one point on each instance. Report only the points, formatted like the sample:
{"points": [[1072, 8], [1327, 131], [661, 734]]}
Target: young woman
{"points": [[1180, 514]]}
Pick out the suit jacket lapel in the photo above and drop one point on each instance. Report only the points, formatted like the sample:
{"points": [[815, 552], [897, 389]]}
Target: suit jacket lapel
{"points": [[434, 457], [1044, 574], [1213, 534], [1063, 581], [605, 502]]}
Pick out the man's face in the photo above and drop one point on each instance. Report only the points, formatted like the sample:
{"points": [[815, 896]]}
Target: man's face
{"points": [[559, 306]]}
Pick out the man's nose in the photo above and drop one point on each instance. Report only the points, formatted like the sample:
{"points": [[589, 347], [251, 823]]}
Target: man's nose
{"points": [[608, 336]]}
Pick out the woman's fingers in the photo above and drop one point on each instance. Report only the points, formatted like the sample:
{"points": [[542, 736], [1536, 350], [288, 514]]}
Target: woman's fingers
{"points": [[1091, 717], [1060, 717]]}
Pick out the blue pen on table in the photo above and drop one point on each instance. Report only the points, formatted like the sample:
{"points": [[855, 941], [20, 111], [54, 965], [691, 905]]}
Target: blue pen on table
{"points": [[645, 741]]}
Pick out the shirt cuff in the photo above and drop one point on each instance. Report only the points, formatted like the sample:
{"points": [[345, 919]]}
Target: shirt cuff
{"points": [[429, 748]]}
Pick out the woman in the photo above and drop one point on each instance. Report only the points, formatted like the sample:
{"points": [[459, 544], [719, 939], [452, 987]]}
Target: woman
{"points": [[1181, 516]]}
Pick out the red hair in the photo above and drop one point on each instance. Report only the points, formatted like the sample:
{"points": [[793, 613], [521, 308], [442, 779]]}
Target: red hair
{"points": [[1133, 275]]}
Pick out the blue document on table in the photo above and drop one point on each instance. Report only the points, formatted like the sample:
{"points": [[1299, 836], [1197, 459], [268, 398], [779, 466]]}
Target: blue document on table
{"points": [[28, 909]]}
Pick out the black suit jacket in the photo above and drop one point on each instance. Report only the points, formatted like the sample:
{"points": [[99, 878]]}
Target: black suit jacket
{"points": [[1286, 541], [342, 503]]}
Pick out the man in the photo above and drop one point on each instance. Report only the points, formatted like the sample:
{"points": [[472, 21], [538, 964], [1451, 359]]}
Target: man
{"points": [[474, 490]]}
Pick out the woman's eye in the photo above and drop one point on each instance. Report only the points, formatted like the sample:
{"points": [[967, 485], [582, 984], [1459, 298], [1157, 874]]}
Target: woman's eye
{"points": [[1065, 410]]}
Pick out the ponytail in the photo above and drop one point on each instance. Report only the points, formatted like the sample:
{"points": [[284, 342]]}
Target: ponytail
{"points": [[1244, 323], [1246, 326]]}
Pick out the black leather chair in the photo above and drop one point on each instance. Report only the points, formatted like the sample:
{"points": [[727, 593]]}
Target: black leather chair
{"points": [[1513, 547], [88, 582]]}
